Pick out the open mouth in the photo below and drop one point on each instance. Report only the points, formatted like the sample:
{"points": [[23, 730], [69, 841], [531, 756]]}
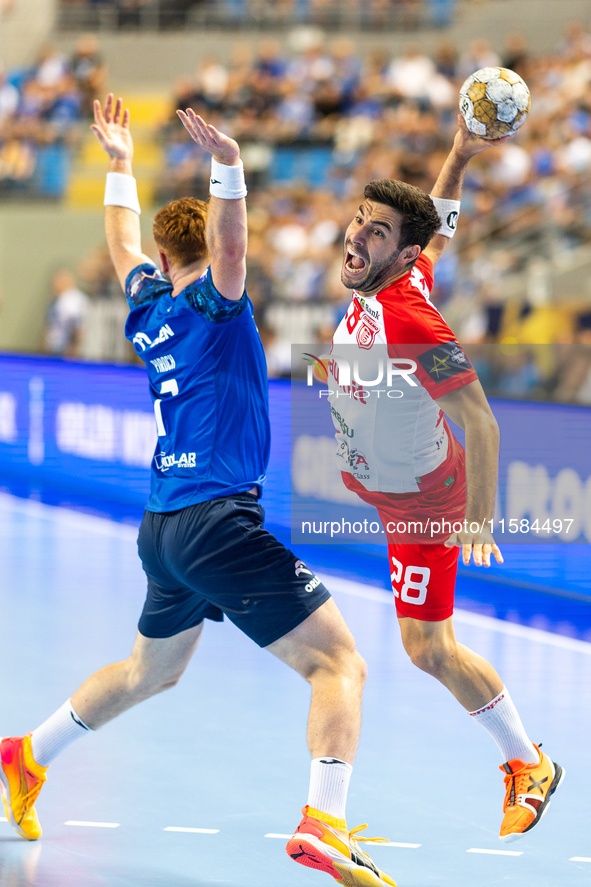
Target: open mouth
{"points": [[355, 265]]}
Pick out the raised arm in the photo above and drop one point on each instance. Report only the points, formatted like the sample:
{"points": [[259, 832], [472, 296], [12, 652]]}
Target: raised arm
{"points": [[226, 230], [122, 225], [449, 181]]}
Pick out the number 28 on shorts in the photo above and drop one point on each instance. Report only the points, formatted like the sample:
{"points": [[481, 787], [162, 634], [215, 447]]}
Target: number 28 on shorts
{"points": [[416, 579]]}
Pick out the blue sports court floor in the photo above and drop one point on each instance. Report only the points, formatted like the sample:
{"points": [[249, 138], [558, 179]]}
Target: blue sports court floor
{"points": [[196, 786]]}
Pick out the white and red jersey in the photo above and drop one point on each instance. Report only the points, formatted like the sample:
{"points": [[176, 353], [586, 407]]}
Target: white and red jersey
{"points": [[392, 436]]}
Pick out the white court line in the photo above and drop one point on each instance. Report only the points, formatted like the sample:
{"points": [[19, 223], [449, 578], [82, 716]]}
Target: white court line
{"points": [[104, 527], [3, 819], [496, 852], [464, 617], [198, 831], [283, 837], [580, 859], [92, 824]]}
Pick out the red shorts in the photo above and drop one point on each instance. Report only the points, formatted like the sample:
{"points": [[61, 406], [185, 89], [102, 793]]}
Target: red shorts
{"points": [[423, 572]]}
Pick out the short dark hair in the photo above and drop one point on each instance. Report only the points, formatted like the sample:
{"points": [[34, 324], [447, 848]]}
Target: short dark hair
{"points": [[420, 220]]}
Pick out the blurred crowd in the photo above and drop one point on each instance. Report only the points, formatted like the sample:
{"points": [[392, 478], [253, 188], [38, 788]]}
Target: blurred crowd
{"points": [[165, 14], [315, 122], [40, 109], [319, 122]]}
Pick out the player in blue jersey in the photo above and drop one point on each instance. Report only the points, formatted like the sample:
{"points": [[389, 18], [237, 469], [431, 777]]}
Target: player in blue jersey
{"points": [[202, 542]]}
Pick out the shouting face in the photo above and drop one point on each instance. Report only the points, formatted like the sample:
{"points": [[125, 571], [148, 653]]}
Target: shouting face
{"points": [[372, 259]]}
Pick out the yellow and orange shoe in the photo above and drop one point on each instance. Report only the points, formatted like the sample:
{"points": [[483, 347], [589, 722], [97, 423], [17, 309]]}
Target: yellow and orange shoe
{"points": [[527, 796], [21, 780], [324, 843]]}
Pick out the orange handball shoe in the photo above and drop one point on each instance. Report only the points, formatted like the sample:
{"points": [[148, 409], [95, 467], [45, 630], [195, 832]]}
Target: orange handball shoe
{"points": [[21, 780], [528, 791], [324, 843]]}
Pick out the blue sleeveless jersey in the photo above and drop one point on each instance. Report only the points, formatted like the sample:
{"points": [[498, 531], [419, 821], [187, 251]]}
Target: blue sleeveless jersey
{"points": [[208, 382]]}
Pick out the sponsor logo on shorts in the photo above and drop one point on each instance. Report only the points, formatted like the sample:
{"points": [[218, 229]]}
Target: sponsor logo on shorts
{"points": [[300, 568], [312, 584]]}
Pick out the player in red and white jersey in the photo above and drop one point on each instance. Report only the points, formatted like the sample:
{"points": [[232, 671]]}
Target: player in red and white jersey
{"points": [[396, 372], [400, 441]]}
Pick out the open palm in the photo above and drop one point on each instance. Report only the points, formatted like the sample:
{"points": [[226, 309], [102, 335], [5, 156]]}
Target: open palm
{"points": [[111, 128], [221, 147]]}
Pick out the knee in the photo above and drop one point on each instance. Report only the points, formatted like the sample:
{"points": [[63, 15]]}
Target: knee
{"points": [[344, 663], [430, 656], [358, 668]]}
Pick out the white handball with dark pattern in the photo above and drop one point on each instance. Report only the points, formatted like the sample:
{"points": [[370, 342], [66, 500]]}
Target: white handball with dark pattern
{"points": [[494, 102]]}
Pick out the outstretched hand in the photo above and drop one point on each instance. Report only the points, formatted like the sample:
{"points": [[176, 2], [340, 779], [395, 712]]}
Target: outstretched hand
{"points": [[111, 127], [221, 147], [468, 143], [480, 544]]}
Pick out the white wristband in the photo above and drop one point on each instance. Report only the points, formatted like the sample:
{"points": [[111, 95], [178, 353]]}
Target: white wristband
{"points": [[449, 211], [121, 190], [227, 182]]}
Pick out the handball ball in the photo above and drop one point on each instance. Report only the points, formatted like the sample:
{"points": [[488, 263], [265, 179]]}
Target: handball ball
{"points": [[494, 102]]}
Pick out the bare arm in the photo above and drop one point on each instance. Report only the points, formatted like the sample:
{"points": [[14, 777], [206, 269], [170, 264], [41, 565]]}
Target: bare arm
{"points": [[226, 231], [450, 179], [122, 225], [468, 407]]}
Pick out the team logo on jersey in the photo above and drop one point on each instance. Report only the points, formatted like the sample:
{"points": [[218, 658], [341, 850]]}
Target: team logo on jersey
{"points": [[444, 361], [367, 332]]}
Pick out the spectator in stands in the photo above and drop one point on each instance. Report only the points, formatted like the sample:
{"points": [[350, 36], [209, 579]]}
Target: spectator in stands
{"points": [[270, 61], [89, 71], [8, 99], [17, 164], [516, 54], [409, 75], [478, 55], [50, 67], [333, 120], [66, 316]]}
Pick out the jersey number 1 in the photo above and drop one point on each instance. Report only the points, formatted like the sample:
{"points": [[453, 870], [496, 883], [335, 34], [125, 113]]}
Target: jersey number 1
{"points": [[168, 387]]}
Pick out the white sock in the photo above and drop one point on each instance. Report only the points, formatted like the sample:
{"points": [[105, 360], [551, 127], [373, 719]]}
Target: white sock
{"points": [[501, 719], [56, 734], [329, 784]]}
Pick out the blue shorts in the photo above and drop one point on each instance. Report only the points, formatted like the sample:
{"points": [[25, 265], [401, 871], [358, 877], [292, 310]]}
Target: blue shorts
{"points": [[215, 558]]}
